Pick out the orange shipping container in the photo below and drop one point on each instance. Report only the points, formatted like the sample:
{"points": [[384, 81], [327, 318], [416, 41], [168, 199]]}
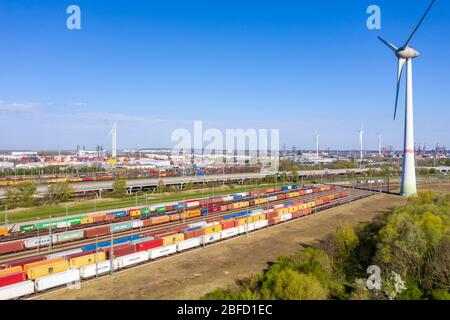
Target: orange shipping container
{"points": [[29, 266], [7, 271]]}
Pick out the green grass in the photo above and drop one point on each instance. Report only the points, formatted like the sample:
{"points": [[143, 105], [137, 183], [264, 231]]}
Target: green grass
{"points": [[44, 212]]}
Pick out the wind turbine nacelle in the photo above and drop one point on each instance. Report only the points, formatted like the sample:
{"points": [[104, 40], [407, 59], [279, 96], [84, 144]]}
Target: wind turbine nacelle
{"points": [[407, 53]]}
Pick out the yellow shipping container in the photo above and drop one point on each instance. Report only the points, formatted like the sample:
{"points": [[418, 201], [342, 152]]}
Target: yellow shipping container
{"points": [[87, 259], [259, 217], [87, 220], [172, 239], [40, 263], [3, 231], [242, 221], [135, 213], [213, 229], [7, 271], [192, 213], [245, 204], [48, 269]]}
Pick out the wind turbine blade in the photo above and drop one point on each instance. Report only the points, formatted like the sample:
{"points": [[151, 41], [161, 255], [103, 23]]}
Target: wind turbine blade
{"points": [[418, 25], [401, 63], [388, 44]]}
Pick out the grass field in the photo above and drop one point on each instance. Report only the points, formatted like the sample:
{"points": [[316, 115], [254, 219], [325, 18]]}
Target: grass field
{"points": [[86, 206]]}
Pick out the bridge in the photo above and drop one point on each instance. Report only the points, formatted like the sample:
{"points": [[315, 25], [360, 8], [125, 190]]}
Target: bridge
{"points": [[134, 185]]}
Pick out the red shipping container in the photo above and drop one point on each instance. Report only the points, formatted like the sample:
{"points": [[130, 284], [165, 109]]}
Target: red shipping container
{"points": [[230, 207], [147, 222], [273, 221], [228, 224], [189, 234], [11, 247], [98, 219], [199, 232], [116, 247], [22, 262], [92, 233], [149, 245], [12, 279], [223, 208], [109, 217], [124, 251], [163, 233], [214, 219], [175, 217]]}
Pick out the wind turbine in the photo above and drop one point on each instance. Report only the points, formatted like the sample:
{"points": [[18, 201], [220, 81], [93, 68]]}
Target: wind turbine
{"points": [[317, 145], [361, 133], [379, 134], [113, 134], [405, 54]]}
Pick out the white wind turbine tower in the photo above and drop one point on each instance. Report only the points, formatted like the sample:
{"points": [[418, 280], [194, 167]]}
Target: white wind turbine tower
{"points": [[361, 133], [317, 145], [406, 54], [379, 134], [113, 134]]}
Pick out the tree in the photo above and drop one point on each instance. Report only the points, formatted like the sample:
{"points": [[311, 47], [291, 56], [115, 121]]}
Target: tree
{"points": [[60, 191], [291, 285], [21, 196], [161, 186], [119, 187]]}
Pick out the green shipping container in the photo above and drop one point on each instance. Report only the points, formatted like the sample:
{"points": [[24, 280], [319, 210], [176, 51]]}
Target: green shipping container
{"points": [[160, 209], [46, 225], [75, 220], [68, 236], [27, 227], [145, 211], [121, 226]]}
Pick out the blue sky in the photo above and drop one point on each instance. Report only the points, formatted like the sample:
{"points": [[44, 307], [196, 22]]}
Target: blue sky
{"points": [[154, 66]]}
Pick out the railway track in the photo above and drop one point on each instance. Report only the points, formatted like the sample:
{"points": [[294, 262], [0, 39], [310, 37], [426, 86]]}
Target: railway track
{"points": [[353, 196], [16, 235]]}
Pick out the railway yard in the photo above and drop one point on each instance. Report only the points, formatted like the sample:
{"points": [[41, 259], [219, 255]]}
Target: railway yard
{"points": [[97, 250]]}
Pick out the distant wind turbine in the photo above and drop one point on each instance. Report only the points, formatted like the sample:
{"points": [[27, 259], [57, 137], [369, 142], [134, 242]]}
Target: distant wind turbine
{"points": [[379, 134], [317, 145], [113, 134], [405, 54]]}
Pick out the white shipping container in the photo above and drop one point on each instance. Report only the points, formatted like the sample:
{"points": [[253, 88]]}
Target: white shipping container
{"points": [[211, 224], [211, 237], [17, 290], [41, 241], [192, 204], [229, 233], [57, 279], [188, 244], [62, 224], [269, 211], [102, 267], [309, 191], [162, 251], [261, 224], [257, 211], [247, 227], [197, 224], [286, 216], [273, 198], [132, 259], [243, 194], [137, 223], [278, 206], [227, 198], [63, 253]]}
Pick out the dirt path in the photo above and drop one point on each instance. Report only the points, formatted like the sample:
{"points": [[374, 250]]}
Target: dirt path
{"points": [[193, 274]]}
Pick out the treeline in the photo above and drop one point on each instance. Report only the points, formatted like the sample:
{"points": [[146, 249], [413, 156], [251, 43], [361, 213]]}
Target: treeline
{"points": [[409, 246]]}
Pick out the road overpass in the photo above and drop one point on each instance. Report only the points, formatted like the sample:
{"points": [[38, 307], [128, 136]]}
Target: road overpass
{"points": [[134, 185]]}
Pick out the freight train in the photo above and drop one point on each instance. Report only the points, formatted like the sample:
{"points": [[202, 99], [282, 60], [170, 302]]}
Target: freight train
{"points": [[146, 217], [174, 211], [32, 275]]}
